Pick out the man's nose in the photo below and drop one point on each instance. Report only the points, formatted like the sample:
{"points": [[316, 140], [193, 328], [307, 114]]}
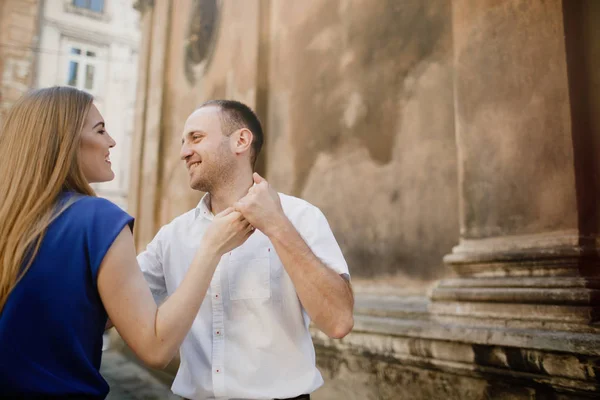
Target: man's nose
{"points": [[185, 151]]}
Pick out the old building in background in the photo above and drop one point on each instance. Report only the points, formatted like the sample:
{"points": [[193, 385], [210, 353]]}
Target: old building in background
{"points": [[415, 126], [88, 44], [92, 45]]}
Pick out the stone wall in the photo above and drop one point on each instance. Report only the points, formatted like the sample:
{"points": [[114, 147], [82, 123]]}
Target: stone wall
{"points": [[356, 99], [18, 43], [414, 126], [361, 123]]}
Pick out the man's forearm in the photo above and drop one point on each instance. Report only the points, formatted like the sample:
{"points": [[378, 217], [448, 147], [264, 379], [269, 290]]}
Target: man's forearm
{"points": [[325, 295]]}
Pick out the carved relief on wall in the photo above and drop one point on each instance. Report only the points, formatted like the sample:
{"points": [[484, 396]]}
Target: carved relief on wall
{"points": [[201, 37]]}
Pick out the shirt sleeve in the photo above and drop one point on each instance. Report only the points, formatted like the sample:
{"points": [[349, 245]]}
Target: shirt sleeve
{"points": [[106, 221], [151, 264], [317, 234]]}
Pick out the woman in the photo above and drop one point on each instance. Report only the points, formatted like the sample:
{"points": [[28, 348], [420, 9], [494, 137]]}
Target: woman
{"points": [[67, 258]]}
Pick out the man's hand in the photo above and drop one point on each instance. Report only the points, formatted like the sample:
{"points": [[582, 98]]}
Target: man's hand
{"points": [[262, 206]]}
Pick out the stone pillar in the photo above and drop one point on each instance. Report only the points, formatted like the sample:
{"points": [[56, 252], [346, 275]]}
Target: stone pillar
{"points": [[146, 142], [528, 252], [525, 295]]}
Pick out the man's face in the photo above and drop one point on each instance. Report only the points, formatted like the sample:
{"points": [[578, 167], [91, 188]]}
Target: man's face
{"points": [[205, 149]]}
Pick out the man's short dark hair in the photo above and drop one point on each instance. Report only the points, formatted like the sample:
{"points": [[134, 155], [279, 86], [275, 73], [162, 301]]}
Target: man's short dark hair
{"points": [[236, 115]]}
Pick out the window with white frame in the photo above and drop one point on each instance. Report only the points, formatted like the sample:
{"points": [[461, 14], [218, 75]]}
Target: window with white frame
{"points": [[92, 5], [82, 67]]}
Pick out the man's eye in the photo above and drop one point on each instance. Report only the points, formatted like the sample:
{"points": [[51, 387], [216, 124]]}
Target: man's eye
{"points": [[102, 132]]}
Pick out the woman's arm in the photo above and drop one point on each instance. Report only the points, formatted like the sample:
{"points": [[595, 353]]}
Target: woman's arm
{"points": [[155, 333]]}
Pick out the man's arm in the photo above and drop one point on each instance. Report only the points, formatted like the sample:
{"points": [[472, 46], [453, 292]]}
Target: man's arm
{"points": [[324, 294]]}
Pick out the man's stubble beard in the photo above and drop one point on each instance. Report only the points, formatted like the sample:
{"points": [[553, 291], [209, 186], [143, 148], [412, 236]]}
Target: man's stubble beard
{"points": [[216, 175]]}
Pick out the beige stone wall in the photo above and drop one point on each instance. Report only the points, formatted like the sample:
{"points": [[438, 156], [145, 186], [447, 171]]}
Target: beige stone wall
{"points": [[511, 107], [356, 98], [361, 101], [18, 39], [361, 124]]}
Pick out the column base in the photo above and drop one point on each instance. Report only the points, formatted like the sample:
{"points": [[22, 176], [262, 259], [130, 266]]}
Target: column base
{"points": [[549, 281], [402, 351]]}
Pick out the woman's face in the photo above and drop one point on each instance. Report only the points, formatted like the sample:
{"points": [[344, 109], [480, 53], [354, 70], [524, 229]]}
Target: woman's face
{"points": [[94, 151]]}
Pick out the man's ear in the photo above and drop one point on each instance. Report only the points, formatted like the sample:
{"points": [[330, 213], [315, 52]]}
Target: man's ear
{"points": [[242, 140]]}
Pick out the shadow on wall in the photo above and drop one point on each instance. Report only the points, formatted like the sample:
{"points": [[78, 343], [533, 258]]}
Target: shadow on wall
{"points": [[370, 121]]}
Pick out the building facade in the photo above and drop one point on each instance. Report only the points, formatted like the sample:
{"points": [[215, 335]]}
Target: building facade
{"points": [[453, 147], [92, 45]]}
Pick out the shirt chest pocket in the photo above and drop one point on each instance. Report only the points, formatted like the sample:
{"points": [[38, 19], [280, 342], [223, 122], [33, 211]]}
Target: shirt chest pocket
{"points": [[249, 275]]}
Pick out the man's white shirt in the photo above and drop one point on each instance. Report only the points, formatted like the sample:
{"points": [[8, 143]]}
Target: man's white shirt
{"points": [[250, 339]]}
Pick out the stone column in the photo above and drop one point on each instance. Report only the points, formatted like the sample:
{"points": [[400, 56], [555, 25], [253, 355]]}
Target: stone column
{"points": [[146, 142], [528, 179]]}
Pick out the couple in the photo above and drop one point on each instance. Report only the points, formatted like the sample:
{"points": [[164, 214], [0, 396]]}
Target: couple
{"points": [[237, 279]]}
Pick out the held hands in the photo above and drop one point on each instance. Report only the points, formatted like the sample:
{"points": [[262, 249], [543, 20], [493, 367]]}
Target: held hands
{"points": [[260, 209], [261, 206], [228, 230]]}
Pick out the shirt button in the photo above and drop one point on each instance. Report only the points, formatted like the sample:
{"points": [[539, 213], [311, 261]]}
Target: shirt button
{"points": [[218, 332], [217, 371], [216, 296]]}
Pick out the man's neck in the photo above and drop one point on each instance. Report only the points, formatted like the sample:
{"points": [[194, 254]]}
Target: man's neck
{"points": [[228, 194]]}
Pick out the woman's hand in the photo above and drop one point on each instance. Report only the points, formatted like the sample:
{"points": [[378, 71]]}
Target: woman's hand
{"points": [[228, 230]]}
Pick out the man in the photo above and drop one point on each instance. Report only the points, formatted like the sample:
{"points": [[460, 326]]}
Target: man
{"points": [[250, 339]]}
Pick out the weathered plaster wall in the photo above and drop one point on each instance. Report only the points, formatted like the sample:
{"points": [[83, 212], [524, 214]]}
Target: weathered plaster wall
{"points": [[361, 124], [358, 102], [356, 98]]}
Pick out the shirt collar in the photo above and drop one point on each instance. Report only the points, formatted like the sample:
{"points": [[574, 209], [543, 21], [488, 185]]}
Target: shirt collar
{"points": [[203, 209]]}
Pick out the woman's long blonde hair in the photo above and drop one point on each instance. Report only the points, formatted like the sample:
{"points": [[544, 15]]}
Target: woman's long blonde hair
{"points": [[39, 147]]}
